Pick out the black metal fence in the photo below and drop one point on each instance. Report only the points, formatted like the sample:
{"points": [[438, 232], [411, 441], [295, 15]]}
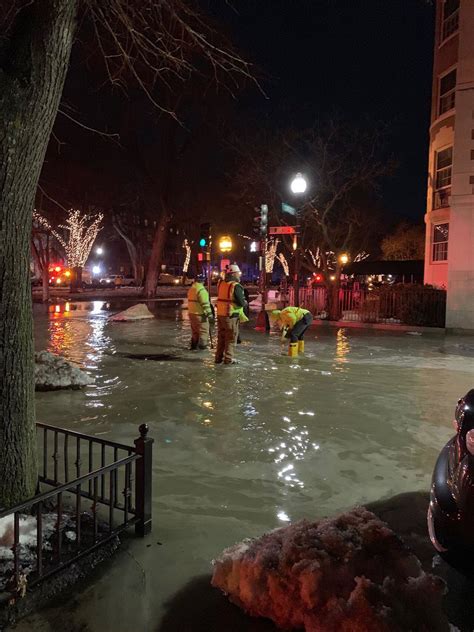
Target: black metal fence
{"points": [[89, 490], [409, 305]]}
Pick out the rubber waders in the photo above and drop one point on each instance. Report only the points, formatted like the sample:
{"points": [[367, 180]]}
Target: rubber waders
{"points": [[293, 350]]}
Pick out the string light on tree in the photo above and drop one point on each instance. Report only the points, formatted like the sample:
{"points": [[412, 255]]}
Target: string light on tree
{"points": [[270, 255], [82, 231], [284, 263], [187, 259]]}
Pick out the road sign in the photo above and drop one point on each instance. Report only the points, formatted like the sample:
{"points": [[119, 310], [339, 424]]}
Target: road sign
{"points": [[283, 230]]}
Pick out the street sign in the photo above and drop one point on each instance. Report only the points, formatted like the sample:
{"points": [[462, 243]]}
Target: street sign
{"points": [[283, 230], [286, 208]]}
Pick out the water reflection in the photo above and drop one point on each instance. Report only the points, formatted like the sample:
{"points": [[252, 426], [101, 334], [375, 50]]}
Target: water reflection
{"points": [[81, 340], [342, 347], [294, 448]]}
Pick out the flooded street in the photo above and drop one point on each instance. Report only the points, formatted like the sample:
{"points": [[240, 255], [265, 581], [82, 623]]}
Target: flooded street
{"points": [[243, 449]]}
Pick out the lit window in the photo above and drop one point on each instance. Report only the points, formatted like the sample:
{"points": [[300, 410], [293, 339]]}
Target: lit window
{"points": [[442, 178], [440, 242], [447, 92], [450, 18]]}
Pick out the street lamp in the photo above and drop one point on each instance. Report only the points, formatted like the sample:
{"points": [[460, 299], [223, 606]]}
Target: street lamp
{"points": [[344, 258], [99, 251], [298, 186], [225, 244]]}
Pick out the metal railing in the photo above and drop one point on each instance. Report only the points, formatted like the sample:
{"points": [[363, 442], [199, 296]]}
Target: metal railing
{"points": [[410, 305], [94, 490]]}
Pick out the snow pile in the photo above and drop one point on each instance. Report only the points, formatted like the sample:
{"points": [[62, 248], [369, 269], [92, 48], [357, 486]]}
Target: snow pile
{"points": [[53, 372], [137, 312], [350, 573], [27, 543]]}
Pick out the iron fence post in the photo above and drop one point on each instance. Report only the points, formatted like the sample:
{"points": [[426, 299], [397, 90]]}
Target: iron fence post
{"points": [[143, 481]]}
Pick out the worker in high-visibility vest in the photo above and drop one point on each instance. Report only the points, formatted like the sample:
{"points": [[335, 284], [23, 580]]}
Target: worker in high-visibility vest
{"points": [[293, 321], [200, 313], [231, 305]]}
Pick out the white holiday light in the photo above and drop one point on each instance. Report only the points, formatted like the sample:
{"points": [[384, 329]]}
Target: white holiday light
{"points": [[187, 259], [284, 263], [270, 255], [82, 232]]}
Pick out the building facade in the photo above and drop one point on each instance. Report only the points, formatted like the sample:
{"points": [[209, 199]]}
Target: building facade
{"points": [[449, 246]]}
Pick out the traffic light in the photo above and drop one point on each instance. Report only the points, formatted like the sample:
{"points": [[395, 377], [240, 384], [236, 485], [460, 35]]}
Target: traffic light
{"points": [[261, 221], [204, 236]]}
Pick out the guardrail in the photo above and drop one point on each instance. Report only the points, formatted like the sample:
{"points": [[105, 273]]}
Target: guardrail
{"points": [[410, 305], [77, 468]]}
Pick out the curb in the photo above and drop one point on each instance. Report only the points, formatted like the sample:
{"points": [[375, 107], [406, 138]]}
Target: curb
{"points": [[379, 326]]}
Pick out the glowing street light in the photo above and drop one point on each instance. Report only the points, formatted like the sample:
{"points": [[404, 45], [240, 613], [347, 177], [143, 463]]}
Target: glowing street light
{"points": [[225, 244], [344, 258], [298, 184], [96, 270], [99, 251]]}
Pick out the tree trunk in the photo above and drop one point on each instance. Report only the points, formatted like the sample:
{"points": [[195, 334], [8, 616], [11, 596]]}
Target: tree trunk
{"points": [[76, 278], [156, 256], [332, 288], [135, 260], [45, 283], [33, 65]]}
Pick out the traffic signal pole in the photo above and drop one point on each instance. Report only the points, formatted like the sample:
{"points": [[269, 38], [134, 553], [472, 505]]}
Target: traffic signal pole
{"points": [[209, 265], [263, 322]]}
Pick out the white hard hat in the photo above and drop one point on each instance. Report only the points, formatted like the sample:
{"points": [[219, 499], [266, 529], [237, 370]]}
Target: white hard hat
{"points": [[233, 268]]}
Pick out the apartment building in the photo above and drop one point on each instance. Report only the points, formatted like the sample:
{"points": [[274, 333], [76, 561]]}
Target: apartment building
{"points": [[449, 249]]}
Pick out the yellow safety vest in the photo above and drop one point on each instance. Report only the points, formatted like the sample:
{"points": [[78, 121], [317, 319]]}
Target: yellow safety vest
{"points": [[197, 299], [291, 315]]}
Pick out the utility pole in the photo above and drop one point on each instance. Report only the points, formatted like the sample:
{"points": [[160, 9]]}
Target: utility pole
{"points": [[263, 322]]}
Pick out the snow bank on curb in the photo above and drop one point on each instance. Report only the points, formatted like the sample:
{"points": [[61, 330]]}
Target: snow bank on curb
{"points": [[52, 372], [350, 573]]}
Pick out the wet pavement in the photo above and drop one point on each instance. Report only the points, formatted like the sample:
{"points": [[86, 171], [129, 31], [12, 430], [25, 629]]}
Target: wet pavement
{"points": [[244, 449]]}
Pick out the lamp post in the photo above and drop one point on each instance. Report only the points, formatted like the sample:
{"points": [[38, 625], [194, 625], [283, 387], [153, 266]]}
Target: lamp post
{"points": [[298, 187]]}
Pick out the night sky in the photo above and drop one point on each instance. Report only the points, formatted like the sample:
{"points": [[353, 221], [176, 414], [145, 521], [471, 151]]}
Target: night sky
{"points": [[356, 58]]}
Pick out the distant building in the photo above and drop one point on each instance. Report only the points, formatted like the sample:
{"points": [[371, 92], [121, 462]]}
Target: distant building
{"points": [[449, 250]]}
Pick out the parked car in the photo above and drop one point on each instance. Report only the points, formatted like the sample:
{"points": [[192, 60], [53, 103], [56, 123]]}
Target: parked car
{"points": [[173, 279], [109, 280], [451, 508]]}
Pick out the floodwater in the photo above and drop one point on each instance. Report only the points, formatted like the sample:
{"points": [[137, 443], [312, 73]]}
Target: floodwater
{"points": [[243, 449]]}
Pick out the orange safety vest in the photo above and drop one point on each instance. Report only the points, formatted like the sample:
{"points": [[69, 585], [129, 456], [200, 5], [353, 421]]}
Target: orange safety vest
{"points": [[225, 295]]}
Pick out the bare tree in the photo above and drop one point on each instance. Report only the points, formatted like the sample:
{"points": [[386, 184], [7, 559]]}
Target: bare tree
{"points": [[343, 164], [405, 243], [142, 42]]}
